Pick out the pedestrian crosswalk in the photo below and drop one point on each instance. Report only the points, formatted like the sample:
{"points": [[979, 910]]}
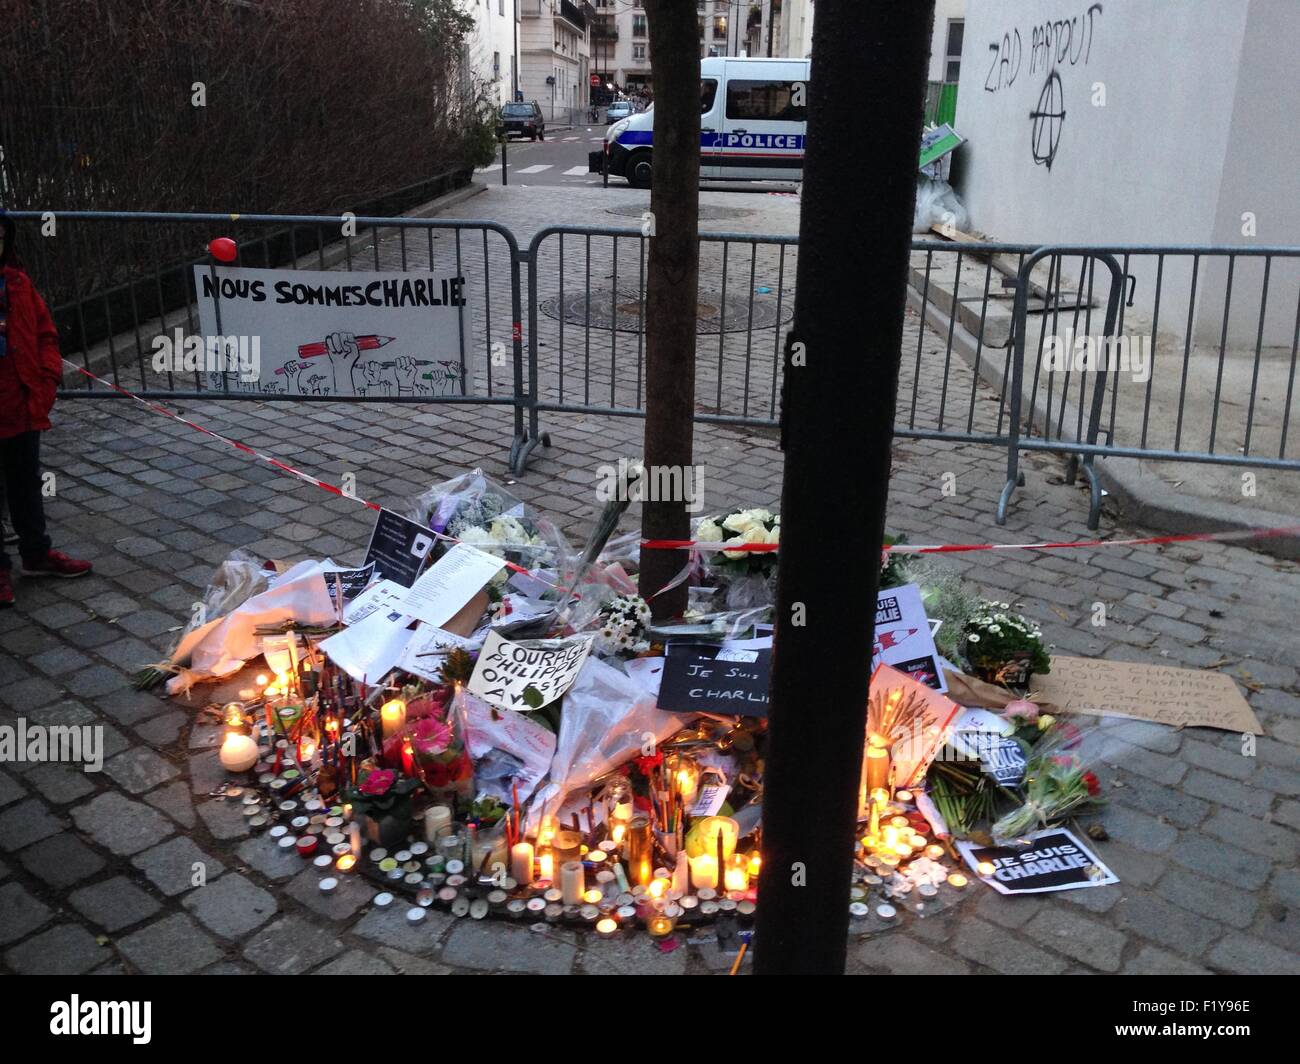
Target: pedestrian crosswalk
{"points": [[575, 171], [535, 169]]}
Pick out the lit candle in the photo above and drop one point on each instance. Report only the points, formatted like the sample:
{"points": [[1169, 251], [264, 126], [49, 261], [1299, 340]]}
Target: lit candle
{"points": [[345, 863], [713, 827], [957, 880], [660, 926], [704, 871], [736, 876], [657, 888], [393, 715], [640, 850], [606, 927], [877, 763], [755, 863], [521, 863], [685, 774], [546, 865], [985, 868], [238, 752], [572, 883]]}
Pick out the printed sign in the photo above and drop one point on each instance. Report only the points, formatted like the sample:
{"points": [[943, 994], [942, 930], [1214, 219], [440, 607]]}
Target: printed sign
{"points": [[1177, 697], [986, 738], [903, 636], [351, 582], [703, 678], [398, 547], [334, 332], [455, 578], [1053, 860], [526, 676]]}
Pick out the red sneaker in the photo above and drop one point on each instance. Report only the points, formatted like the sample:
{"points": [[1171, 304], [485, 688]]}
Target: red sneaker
{"points": [[55, 563], [6, 590]]}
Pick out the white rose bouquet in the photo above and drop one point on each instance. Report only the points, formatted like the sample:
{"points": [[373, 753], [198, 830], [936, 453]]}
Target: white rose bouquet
{"points": [[739, 530]]}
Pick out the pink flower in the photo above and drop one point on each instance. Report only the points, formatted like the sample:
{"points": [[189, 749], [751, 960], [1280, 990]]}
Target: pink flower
{"points": [[378, 782], [430, 736], [1021, 709]]}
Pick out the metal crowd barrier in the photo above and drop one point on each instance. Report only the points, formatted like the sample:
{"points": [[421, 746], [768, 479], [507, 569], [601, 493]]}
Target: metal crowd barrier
{"points": [[1191, 351]]}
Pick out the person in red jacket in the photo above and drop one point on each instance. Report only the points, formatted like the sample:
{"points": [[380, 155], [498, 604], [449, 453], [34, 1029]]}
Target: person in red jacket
{"points": [[30, 371]]}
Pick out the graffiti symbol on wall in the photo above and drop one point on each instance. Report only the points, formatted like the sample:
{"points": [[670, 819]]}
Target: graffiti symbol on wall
{"points": [[1053, 44], [1046, 120]]}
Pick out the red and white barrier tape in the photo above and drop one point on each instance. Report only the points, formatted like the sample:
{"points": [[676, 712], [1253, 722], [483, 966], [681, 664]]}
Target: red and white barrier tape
{"points": [[714, 545], [960, 548]]}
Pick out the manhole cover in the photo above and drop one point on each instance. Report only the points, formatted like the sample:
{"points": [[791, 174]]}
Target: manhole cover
{"points": [[713, 312], [707, 213]]}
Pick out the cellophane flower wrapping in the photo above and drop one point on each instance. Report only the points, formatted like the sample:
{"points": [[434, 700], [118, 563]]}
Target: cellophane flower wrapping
{"points": [[1057, 782]]}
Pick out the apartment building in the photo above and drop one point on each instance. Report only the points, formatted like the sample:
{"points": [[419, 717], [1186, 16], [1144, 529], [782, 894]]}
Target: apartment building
{"points": [[555, 54]]}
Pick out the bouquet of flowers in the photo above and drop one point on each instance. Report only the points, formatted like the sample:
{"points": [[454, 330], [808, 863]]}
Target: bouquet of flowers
{"points": [[1056, 783], [1003, 647], [743, 528], [622, 627]]}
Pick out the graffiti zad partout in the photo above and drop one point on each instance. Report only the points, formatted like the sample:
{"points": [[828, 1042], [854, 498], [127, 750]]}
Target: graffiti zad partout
{"points": [[1053, 43]]}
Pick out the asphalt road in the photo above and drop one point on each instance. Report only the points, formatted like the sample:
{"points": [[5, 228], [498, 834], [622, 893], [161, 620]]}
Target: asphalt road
{"points": [[561, 159]]}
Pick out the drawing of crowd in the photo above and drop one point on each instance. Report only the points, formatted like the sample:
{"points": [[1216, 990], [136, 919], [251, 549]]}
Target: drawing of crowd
{"points": [[345, 364]]}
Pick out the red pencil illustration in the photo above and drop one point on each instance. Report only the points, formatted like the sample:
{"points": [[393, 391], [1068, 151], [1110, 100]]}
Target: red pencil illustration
{"points": [[365, 343]]}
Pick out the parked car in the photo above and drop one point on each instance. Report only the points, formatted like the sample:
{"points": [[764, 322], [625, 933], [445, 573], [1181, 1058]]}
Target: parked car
{"points": [[752, 124], [617, 110], [522, 119]]}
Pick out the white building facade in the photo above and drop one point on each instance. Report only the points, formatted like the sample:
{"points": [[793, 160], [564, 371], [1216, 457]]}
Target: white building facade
{"points": [[555, 55], [490, 46]]}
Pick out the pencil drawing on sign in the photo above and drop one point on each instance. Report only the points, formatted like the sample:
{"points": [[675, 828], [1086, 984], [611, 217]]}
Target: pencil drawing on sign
{"points": [[351, 371], [344, 333]]}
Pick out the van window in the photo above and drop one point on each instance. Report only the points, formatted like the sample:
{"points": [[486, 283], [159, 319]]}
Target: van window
{"points": [[708, 93], [764, 100]]}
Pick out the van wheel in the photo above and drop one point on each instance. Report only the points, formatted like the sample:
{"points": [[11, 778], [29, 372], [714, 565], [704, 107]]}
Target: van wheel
{"points": [[639, 170]]}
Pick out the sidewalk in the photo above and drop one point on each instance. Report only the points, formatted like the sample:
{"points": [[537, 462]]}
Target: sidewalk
{"points": [[96, 869]]}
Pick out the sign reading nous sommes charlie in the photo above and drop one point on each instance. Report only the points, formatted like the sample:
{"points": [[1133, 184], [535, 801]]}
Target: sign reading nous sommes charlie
{"points": [[346, 333]]}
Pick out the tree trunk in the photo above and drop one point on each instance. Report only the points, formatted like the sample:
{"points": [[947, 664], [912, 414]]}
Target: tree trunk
{"points": [[840, 385], [672, 274]]}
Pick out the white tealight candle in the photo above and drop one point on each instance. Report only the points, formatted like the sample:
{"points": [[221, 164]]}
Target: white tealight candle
{"points": [[238, 752], [521, 863], [704, 872]]}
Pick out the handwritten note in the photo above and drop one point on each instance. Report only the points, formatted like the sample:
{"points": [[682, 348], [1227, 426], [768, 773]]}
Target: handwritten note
{"points": [[1177, 697], [526, 676]]}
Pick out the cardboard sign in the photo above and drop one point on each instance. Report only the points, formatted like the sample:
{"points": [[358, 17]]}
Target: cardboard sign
{"points": [[699, 678], [517, 675], [333, 332], [1054, 860], [904, 638], [398, 547], [1177, 697]]}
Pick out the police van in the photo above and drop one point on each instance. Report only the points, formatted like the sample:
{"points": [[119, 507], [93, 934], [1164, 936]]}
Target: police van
{"points": [[753, 117]]}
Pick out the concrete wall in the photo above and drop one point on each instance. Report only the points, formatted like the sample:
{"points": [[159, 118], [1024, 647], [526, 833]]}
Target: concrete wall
{"points": [[1131, 121], [493, 35]]}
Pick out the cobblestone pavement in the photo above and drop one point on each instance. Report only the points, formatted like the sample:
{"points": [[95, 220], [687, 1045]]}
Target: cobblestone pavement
{"points": [[95, 868]]}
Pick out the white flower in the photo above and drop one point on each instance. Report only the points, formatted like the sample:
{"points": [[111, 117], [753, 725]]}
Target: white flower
{"points": [[972, 638], [753, 534], [739, 522], [708, 531]]}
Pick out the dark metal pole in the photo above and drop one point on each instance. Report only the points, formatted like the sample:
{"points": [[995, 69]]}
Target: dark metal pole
{"points": [[505, 139], [837, 416]]}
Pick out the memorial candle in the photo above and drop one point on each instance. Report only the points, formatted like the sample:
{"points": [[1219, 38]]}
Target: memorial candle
{"points": [[572, 884], [521, 863], [877, 764], [704, 872]]}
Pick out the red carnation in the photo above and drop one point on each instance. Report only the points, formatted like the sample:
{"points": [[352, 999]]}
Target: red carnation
{"points": [[1093, 784]]}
